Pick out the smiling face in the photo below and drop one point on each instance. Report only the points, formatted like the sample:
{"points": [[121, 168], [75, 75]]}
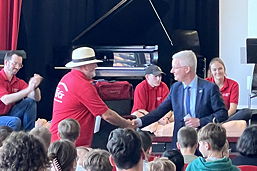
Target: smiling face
{"points": [[13, 65], [153, 81], [178, 70], [217, 70]]}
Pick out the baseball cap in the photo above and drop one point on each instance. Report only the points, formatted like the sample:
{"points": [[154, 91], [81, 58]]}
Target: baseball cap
{"points": [[153, 69]]}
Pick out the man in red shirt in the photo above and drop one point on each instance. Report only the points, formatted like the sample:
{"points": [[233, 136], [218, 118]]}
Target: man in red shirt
{"points": [[151, 92], [77, 98], [17, 98], [148, 95]]}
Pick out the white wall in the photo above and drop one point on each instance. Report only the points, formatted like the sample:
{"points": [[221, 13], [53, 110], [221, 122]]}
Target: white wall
{"points": [[238, 21]]}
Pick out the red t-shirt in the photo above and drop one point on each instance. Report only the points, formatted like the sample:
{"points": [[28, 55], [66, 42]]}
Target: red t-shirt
{"points": [[9, 87], [77, 98], [229, 91], [149, 98]]}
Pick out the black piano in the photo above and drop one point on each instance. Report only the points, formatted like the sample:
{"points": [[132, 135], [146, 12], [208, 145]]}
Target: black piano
{"points": [[126, 38]]}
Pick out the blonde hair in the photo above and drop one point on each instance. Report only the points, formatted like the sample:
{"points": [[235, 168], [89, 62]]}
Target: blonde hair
{"points": [[214, 134], [162, 164], [69, 129], [219, 60]]}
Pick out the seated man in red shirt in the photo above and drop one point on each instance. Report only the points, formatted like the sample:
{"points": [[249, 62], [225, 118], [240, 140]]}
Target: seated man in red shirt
{"points": [[16, 110], [77, 98], [149, 94]]}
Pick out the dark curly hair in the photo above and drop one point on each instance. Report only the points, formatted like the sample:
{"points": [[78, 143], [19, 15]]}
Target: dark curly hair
{"points": [[247, 143], [125, 146], [62, 154], [22, 152]]}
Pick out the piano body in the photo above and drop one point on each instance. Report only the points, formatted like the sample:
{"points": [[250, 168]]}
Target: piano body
{"points": [[124, 39]]}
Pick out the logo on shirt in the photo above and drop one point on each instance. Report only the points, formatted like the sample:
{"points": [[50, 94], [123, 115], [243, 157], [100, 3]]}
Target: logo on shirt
{"points": [[60, 92], [226, 94], [159, 98]]}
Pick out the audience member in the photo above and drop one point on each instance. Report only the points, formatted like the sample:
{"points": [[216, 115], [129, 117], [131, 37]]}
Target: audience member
{"points": [[62, 155], [69, 129], [18, 108], [162, 164], [147, 147], [187, 143], [247, 147], [5, 131], [126, 150], [81, 152], [146, 143], [77, 98], [194, 101], [229, 90], [176, 157], [226, 150], [212, 139], [43, 134], [22, 152], [97, 160]]}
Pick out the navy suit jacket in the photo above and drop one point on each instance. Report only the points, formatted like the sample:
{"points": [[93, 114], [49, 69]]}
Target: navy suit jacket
{"points": [[209, 105]]}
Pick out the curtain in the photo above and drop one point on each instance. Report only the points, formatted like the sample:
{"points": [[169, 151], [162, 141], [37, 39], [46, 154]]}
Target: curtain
{"points": [[9, 23]]}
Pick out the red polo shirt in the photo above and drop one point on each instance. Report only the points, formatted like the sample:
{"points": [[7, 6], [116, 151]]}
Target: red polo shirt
{"points": [[149, 98], [229, 91], [9, 87], [77, 98]]}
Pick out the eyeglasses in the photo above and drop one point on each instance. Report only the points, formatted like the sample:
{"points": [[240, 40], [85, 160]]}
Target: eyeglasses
{"points": [[16, 63], [179, 67]]}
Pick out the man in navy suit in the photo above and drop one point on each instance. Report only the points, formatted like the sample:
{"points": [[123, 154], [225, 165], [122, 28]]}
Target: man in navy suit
{"points": [[194, 101]]}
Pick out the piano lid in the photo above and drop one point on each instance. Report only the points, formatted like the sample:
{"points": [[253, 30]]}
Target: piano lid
{"points": [[130, 22]]}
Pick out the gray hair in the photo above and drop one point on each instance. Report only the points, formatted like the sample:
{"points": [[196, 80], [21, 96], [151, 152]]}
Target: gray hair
{"points": [[187, 58]]}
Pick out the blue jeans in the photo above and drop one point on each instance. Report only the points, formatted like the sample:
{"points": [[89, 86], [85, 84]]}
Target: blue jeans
{"points": [[22, 115], [241, 114]]}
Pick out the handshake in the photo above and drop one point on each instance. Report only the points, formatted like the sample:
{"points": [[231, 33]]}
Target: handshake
{"points": [[133, 121]]}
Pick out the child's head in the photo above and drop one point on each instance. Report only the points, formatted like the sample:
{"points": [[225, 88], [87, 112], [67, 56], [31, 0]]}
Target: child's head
{"points": [[69, 129], [146, 141], [212, 138], [43, 134], [81, 152], [97, 159], [162, 164], [5, 131], [63, 155], [187, 138], [176, 157]]}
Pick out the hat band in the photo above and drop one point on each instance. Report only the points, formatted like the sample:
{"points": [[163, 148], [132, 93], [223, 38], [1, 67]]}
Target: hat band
{"points": [[83, 60]]}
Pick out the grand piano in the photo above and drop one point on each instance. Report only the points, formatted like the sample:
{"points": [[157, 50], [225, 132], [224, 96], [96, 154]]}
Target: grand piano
{"points": [[127, 38]]}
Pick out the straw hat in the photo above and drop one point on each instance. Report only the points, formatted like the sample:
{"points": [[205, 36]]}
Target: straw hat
{"points": [[82, 56]]}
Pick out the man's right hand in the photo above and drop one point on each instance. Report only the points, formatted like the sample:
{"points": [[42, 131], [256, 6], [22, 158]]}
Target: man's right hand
{"points": [[131, 124]]}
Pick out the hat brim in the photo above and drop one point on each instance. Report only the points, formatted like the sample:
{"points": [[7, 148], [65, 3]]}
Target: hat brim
{"points": [[158, 73], [76, 64]]}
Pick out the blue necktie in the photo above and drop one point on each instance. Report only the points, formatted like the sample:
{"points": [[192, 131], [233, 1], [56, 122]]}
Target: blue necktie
{"points": [[188, 100]]}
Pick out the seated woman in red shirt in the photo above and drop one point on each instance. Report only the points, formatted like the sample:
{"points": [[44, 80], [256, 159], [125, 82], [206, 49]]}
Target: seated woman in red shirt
{"points": [[229, 90]]}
